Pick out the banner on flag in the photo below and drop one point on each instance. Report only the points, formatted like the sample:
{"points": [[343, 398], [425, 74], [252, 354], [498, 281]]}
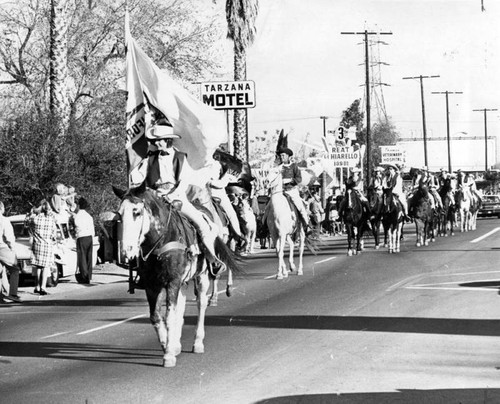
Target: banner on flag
{"points": [[152, 97]]}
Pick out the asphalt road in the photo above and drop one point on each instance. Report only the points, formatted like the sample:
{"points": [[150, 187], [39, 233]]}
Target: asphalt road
{"points": [[419, 326]]}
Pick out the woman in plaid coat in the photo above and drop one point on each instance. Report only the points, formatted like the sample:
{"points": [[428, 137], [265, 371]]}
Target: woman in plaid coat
{"points": [[43, 229]]}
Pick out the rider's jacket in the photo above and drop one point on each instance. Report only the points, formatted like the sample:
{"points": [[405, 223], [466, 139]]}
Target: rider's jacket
{"points": [[377, 183], [164, 169], [395, 182], [357, 185], [291, 175]]}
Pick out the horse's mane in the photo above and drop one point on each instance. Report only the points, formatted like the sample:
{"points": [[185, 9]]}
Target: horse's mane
{"points": [[161, 210]]}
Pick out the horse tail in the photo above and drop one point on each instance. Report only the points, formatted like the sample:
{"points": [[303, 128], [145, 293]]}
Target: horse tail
{"points": [[312, 242], [227, 256]]}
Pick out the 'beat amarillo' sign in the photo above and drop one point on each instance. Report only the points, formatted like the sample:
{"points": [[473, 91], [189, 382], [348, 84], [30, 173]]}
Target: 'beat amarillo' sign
{"points": [[229, 94], [344, 156]]}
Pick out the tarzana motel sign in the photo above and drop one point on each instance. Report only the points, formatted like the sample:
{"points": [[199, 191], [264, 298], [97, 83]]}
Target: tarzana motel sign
{"points": [[229, 94]]}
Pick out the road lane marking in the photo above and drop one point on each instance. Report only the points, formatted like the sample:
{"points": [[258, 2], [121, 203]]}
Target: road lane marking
{"points": [[325, 260], [477, 240], [55, 335], [111, 325], [492, 289]]}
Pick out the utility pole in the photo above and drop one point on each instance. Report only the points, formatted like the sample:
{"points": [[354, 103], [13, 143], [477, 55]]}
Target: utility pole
{"points": [[323, 179], [365, 33], [424, 130], [447, 123], [485, 110]]}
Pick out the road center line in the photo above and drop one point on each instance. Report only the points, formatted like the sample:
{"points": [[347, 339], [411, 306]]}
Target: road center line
{"points": [[477, 240], [55, 335], [111, 325], [325, 260]]}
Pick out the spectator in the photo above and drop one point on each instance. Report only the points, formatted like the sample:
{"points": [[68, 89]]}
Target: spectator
{"points": [[84, 231], [8, 260], [43, 229], [316, 212]]}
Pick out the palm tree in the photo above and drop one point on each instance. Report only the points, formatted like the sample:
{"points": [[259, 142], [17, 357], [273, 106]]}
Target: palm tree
{"points": [[241, 16], [59, 102]]}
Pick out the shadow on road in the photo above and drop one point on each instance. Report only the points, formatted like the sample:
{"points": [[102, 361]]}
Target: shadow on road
{"points": [[400, 396], [444, 326]]}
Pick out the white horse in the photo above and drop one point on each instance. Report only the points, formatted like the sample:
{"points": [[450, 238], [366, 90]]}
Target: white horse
{"points": [[283, 225], [464, 206]]}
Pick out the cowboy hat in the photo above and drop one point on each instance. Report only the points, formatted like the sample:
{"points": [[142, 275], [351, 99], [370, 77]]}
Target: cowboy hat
{"points": [[356, 170], [285, 150], [158, 132], [389, 165], [379, 169], [425, 168]]}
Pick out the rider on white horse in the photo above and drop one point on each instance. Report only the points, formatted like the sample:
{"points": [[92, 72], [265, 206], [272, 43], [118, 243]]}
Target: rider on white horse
{"points": [[393, 180], [167, 171], [292, 177]]}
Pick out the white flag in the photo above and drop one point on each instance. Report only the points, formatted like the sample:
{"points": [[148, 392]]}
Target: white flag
{"points": [[202, 129]]}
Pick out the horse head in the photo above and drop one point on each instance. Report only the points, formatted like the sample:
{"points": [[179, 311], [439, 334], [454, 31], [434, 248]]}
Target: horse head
{"points": [[275, 180], [141, 214]]}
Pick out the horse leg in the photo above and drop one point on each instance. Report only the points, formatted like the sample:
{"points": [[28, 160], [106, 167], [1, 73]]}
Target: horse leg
{"points": [[155, 300], [173, 333], [203, 283], [300, 271], [280, 251], [214, 297], [229, 285], [291, 262]]}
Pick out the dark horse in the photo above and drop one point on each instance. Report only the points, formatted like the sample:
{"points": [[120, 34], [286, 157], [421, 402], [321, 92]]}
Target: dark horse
{"points": [[447, 215], [375, 203], [355, 220], [424, 215], [166, 242], [392, 220]]}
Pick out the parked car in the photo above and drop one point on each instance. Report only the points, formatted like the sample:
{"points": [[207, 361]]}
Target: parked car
{"points": [[65, 259], [491, 206]]}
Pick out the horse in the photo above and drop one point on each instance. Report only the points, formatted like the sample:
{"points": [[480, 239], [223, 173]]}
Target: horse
{"points": [[355, 220], [392, 220], [375, 204], [166, 243], [447, 216], [423, 215], [284, 226], [468, 206]]}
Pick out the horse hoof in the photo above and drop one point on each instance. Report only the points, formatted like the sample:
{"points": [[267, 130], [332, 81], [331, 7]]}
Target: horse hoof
{"points": [[229, 291], [349, 253], [300, 272], [212, 302], [169, 361], [433, 240], [377, 247], [427, 243], [452, 234], [419, 245], [198, 348], [279, 277]]}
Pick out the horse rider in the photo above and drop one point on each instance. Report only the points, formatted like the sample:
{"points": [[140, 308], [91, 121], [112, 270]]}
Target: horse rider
{"points": [[167, 171], [470, 183], [292, 177], [354, 183], [433, 185], [377, 180], [393, 180], [446, 185], [425, 178], [220, 178]]}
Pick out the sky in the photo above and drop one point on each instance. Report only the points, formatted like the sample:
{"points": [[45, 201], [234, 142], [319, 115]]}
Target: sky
{"points": [[304, 68]]}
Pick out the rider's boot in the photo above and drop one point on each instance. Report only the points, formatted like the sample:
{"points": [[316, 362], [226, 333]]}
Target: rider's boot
{"points": [[208, 235]]}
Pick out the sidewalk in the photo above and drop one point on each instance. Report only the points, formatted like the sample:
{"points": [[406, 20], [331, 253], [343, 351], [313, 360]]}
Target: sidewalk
{"points": [[102, 274]]}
